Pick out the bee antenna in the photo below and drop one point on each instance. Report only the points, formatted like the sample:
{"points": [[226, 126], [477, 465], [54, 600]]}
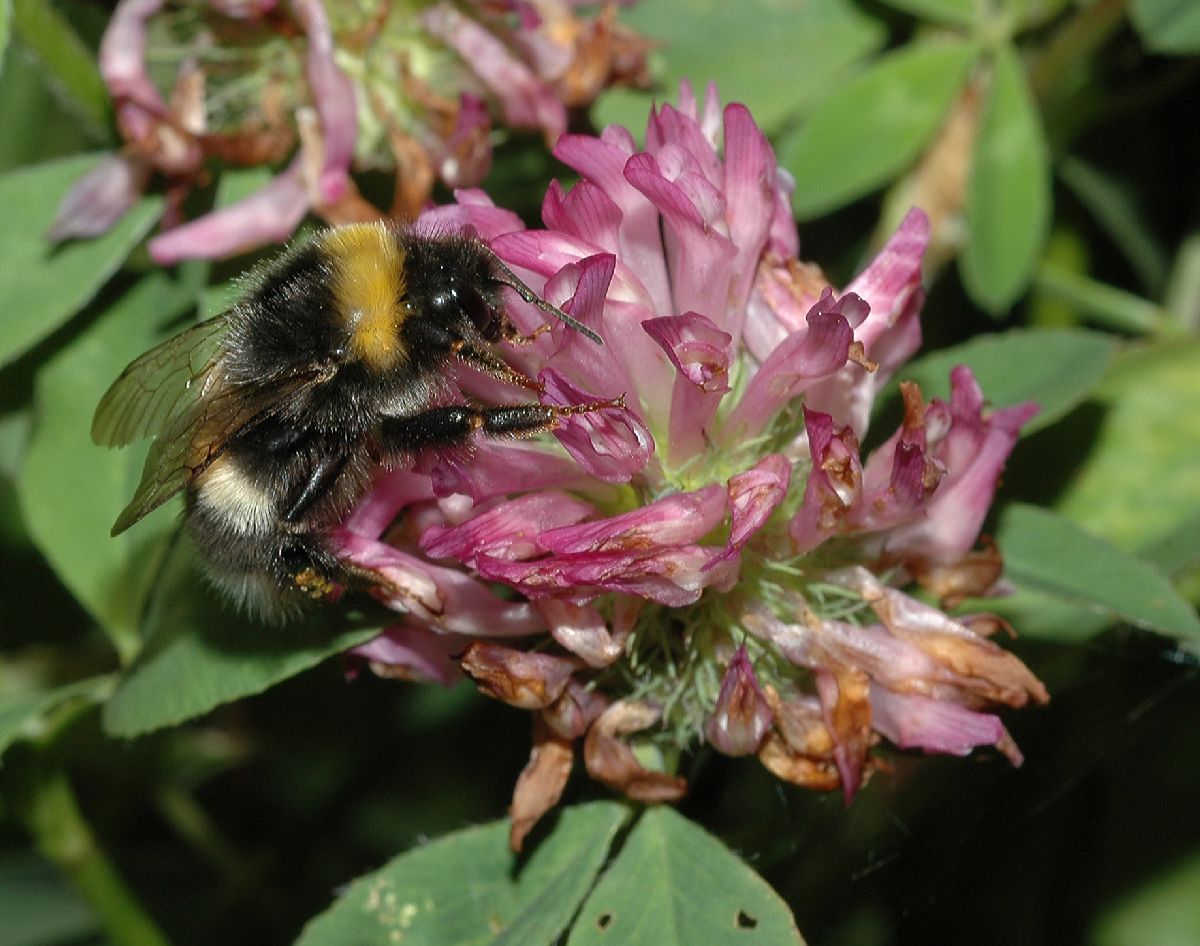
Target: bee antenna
{"points": [[513, 281]]}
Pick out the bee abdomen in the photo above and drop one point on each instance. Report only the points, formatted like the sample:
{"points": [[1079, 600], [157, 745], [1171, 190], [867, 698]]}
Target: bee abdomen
{"points": [[229, 501]]}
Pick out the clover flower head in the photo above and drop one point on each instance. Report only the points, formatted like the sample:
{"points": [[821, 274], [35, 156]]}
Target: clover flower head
{"points": [[326, 88], [715, 560]]}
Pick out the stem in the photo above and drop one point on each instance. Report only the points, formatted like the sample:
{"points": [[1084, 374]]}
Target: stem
{"points": [[1101, 303], [62, 834], [1079, 37]]}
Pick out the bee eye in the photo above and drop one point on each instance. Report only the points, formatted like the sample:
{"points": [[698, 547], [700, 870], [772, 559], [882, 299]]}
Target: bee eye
{"points": [[482, 316]]}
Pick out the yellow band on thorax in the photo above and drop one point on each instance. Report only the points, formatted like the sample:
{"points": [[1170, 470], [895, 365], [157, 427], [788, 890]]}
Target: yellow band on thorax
{"points": [[368, 289]]}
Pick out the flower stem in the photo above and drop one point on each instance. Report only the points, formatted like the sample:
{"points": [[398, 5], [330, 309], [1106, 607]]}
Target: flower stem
{"points": [[1079, 37], [1106, 305], [62, 834]]}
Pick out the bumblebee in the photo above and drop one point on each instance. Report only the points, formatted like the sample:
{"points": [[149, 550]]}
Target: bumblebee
{"points": [[273, 417]]}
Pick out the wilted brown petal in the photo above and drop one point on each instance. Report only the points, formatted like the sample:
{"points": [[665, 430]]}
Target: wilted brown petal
{"points": [[782, 761], [611, 761], [526, 681], [800, 749], [972, 576], [846, 704], [540, 784], [573, 712]]}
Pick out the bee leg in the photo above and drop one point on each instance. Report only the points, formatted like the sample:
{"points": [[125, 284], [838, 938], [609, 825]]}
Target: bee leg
{"points": [[453, 425], [513, 336], [317, 485], [311, 570], [490, 364]]}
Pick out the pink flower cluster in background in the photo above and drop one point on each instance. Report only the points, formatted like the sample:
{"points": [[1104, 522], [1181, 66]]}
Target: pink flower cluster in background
{"points": [[324, 89], [716, 560]]}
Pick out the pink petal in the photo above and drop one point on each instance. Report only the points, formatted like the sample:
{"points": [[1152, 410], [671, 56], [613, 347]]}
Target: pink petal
{"points": [[834, 482], [495, 469], [333, 97], [391, 493], [586, 212], [674, 577], [123, 65], [100, 198], [741, 717], [750, 193], [670, 126], [611, 444], [509, 530], [804, 357], [417, 653], [891, 287], [701, 354], [974, 453], [582, 630], [467, 152], [700, 259], [473, 214], [601, 161], [910, 720], [527, 101], [445, 598], [753, 496], [675, 520], [270, 215]]}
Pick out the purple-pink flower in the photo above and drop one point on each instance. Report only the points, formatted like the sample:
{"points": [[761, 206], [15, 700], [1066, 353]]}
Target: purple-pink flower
{"points": [[324, 89], [712, 558]]}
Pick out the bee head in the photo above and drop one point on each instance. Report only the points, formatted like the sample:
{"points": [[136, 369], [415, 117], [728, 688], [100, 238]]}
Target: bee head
{"points": [[455, 301]]}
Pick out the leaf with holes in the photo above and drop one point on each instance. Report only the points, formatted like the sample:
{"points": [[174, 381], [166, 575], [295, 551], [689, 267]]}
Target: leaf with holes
{"points": [[673, 884], [469, 888]]}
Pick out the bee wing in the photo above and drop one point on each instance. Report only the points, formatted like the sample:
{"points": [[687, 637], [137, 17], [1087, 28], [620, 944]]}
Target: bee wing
{"points": [[194, 438], [163, 384]]}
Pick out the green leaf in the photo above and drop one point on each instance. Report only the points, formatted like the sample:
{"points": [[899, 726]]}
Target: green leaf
{"points": [[70, 489], [1167, 26], [874, 126], [1008, 194], [777, 58], [20, 713], [1040, 616], [1178, 548], [200, 653], [1057, 368], [1098, 302], [469, 888], [1140, 476], [672, 884], [69, 64], [1048, 553], [41, 286], [950, 12], [38, 905], [1164, 911], [5, 28], [1113, 205]]}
